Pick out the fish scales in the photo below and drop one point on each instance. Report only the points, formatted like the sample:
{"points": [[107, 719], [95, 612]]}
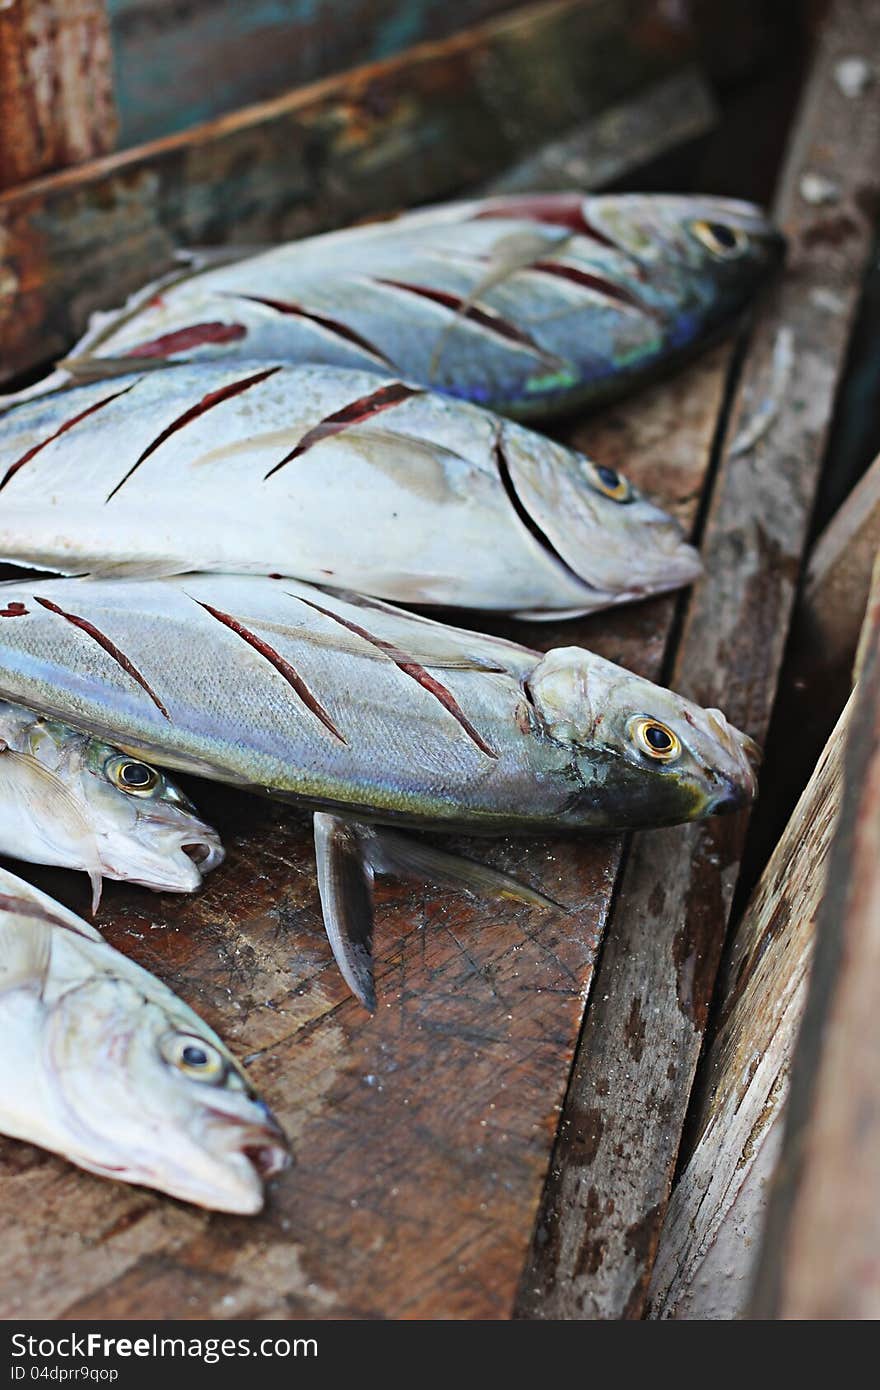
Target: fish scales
{"points": [[530, 305], [331, 476], [433, 725]]}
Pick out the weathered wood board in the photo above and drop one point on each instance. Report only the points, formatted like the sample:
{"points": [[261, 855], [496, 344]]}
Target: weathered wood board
{"points": [[413, 128], [611, 1173], [56, 86], [819, 1255], [711, 1236], [216, 55], [423, 1135]]}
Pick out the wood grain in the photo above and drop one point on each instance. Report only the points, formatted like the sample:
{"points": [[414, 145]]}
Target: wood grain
{"points": [[819, 1256], [422, 1135], [838, 581], [611, 1173], [216, 55], [711, 1235], [56, 86], [417, 127]]}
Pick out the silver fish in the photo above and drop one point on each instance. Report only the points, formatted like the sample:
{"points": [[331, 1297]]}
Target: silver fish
{"points": [[67, 798], [104, 1064], [330, 475], [527, 304], [370, 716]]}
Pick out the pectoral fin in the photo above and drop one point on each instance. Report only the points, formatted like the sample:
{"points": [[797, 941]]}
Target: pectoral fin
{"points": [[405, 856], [87, 369], [349, 855], [345, 886], [25, 948]]}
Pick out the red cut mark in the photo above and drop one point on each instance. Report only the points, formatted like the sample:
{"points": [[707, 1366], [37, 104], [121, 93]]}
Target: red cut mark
{"points": [[68, 425], [342, 330], [556, 210], [598, 283], [109, 647], [197, 335], [486, 318], [13, 610], [410, 668], [206, 403], [353, 414], [282, 666]]}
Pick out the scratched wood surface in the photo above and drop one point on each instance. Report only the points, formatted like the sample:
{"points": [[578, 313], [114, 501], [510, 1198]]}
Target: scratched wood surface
{"points": [[819, 1254], [422, 1136], [56, 86], [413, 128], [612, 1169]]}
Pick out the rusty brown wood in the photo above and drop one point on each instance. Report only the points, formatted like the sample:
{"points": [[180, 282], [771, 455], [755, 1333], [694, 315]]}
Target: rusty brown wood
{"points": [[819, 1256], [415, 127], [711, 1235], [422, 1135], [610, 1179], [56, 86]]}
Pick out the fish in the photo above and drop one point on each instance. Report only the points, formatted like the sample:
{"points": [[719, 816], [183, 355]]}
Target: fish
{"points": [[328, 475], [103, 1064], [69, 799], [532, 305], [381, 721]]}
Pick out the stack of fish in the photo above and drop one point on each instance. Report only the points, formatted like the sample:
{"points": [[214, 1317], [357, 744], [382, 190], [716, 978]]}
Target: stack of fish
{"points": [[253, 461]]}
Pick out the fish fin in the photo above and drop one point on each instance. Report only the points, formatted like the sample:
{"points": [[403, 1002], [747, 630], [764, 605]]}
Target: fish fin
{"points": [[131, 569], [25, 949], [513, 252], [345, 887], [547, 615], [97, 882], [390, 852], [210, 257], [87, 369]]}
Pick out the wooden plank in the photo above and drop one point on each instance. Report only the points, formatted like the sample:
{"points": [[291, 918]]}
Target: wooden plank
{"points": [[216, 55], [409, 129], [612, 1169], [711, 1235], [56, 86], [837, 584], [819, 1257], [620, 140], [422, 1135]]}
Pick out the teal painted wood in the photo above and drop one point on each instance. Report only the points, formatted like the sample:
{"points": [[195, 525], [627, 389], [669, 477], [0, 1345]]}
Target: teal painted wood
{"points": [[176, 65]]}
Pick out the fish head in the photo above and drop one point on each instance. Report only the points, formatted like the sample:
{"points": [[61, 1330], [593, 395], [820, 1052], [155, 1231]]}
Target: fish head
{"points": [[618, 543], [644, 755], [693, 252], [147, 1093], [147, 830]]}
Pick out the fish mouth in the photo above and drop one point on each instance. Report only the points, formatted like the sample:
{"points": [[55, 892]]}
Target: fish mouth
{"points": [[254, 1151], [205, 854], [175, 866]]}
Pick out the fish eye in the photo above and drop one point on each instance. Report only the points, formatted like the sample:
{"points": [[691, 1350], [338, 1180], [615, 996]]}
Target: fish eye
{"points": [[129, 775], [610, 483], [195, 1057], [720, 239], [656, 740]]}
